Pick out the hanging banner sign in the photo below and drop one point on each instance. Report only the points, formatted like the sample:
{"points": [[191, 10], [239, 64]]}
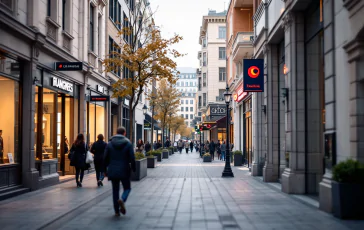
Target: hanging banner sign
{"points": [[253, 75], [99, 98]]}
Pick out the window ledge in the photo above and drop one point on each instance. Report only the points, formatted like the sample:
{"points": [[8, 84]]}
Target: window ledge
{"points": [[92, 53], [50, 20], [68, 35]]}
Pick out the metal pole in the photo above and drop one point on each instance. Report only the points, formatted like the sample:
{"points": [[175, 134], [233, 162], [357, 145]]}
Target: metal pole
{"points": [[227, 170], [152, 126]]}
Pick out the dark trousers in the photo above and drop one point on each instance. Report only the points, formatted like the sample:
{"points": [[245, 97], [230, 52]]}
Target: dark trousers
{"points": [[99, 171], [212, 153], [116, 191], [79, 174]]}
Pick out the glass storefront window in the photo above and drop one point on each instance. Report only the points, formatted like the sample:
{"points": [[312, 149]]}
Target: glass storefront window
{"points": [[96, 120], [9, 121], [50, 121]]}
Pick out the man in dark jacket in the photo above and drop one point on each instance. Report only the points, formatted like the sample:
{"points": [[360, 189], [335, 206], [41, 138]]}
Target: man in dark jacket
{"points": [[168, 143], [119, 155], [212, 149]]}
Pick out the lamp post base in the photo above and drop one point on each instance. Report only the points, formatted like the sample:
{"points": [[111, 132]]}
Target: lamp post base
{"points": [[227, 173]]}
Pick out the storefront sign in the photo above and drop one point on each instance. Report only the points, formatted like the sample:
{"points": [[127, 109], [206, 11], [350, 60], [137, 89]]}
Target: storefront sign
{"points": [[240, 95], [147, 125], [99, 98], [253, 75], [217, 110], [100, 89], [68, 66], [62, 84]]}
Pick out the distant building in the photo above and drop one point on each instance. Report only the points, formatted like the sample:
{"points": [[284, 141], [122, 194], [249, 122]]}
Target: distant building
{"points": [[187, 85]]}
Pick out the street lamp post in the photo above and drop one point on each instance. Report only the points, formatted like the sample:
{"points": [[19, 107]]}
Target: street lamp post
{"points": [[144, 112], [153, 98], [227, 170]]}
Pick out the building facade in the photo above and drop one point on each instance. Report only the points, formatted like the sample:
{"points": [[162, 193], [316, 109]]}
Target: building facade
{"points": [[49, 104], [239, 47], [313, 99], [187, 86], [212, 72]]}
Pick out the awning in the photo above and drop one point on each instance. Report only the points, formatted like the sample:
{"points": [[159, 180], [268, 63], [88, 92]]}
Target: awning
{"points": [[221, 123], [148, 119]]}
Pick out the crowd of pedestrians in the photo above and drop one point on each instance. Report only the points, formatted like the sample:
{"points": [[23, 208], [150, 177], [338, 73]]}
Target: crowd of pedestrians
{"points": [[116, 159]]}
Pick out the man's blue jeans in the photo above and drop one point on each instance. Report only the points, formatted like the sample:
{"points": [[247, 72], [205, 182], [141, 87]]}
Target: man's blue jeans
{"points": [[116, 191], [223, 155]]}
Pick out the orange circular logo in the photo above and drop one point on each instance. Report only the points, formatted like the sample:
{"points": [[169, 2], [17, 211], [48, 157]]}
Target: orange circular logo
{"points": [[235, 97], [253, 72]]}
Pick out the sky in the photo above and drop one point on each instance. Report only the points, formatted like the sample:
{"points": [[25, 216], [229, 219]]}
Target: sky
{"points": [[184, 17]]}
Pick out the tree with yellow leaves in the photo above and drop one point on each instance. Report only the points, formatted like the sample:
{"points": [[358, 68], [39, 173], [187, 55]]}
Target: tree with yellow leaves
{"points": [[166, 103], [143, 56], [175, 123], [185, 131]]}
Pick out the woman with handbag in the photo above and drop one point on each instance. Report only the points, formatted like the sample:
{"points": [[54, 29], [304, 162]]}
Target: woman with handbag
{"points": [[98, 149], [78, 157], [140, 146]]}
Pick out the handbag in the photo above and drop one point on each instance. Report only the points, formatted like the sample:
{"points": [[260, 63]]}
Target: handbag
{"points": [[89, 158]]}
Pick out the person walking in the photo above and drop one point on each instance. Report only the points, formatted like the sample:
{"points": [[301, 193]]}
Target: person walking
{"points": [[223, 151], [207, 144], [155, 146], [78, 160], [187, 146], [180, 146], [159, 144], [118, 158], [98, 149], [167, 143], [218, 149], [212, 149], [191, 146], [147, 147], [140, 146]]}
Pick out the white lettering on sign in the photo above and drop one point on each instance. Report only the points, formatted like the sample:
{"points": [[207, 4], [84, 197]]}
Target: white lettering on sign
{"points": [[61, 84], [218, 110], [100, 88]]}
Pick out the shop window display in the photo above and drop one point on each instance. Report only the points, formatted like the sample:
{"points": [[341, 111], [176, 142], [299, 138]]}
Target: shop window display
{"points": [[96, 120], [9, 121]]}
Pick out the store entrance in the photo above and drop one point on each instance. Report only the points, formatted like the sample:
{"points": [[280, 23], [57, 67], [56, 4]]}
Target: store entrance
{"points": [[248, 132], [65, 131]]}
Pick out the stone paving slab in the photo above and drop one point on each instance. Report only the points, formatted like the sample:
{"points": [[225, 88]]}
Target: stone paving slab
{"points": [[181, 193]]}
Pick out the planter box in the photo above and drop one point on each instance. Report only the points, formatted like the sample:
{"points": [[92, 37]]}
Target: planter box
{"points": [[159, 157], [347, 200], [207, 159], [141, 170], [175, 149], [165, 154], [238, 160], [152, 162], [170, 151]]}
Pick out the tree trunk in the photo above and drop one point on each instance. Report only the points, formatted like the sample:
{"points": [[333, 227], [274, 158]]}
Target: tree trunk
{"points": [[131, 124], [163, 138]]}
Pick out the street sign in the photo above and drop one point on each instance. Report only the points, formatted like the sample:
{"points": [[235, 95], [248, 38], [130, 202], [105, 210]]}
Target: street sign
{"points": [[99, 98], [253, 75], [68, 66]]}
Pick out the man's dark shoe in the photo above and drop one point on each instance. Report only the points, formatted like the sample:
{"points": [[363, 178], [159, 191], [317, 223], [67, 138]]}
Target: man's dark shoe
{"points": [[122, 207]]}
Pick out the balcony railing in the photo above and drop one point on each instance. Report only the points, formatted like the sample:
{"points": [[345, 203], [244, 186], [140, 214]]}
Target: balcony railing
{"points": [[275, 10], [243, 39], [259, 19]]}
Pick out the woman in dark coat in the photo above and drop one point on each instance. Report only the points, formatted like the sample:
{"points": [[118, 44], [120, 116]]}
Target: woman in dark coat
{"points": [[212, 149], [79, 150], [98, 149]]}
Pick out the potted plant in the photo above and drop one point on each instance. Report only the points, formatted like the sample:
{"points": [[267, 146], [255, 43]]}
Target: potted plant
{"points": [[165, 153], [141, 167], [206, 157], [170, 150], [348, 189], [238, 158], [151, 159]]}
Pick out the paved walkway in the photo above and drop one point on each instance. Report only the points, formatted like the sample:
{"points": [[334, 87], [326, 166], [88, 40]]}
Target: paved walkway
{"points": [[181, 193]]}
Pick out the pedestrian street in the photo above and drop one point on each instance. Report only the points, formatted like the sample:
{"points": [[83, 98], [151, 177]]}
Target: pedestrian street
{"points": [[182, 192]]}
